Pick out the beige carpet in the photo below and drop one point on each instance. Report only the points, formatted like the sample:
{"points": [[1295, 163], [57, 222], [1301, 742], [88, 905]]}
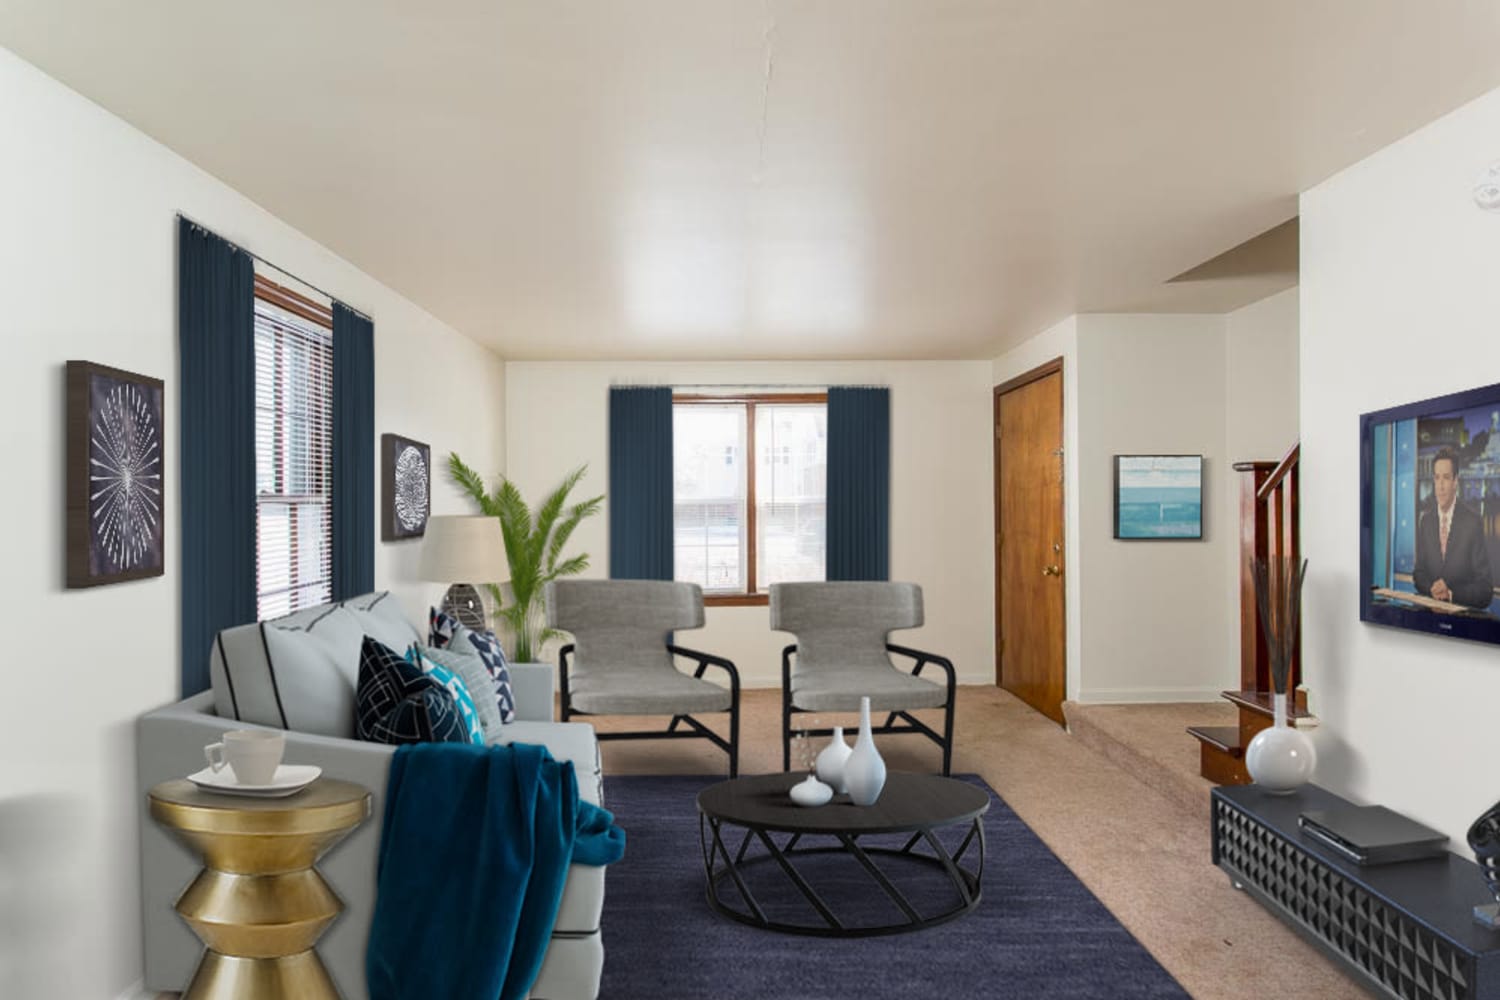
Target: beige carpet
{"points": [[1145, 854], [1151, 742]]}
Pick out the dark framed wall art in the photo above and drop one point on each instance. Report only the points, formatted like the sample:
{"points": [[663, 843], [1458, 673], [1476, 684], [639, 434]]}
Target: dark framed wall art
{"points": [[406, 473], [116, 483], [1159, 497]]}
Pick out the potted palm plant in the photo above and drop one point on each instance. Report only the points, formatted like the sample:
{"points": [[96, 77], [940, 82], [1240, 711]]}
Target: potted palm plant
{"points": [[534, 543]]}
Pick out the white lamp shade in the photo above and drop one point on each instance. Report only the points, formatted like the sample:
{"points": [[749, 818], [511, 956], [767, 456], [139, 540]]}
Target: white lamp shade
{"points": [[463, 549]]}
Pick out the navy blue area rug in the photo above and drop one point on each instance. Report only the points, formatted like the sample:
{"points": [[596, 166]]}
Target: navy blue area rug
{"points": [[1038, 932]]}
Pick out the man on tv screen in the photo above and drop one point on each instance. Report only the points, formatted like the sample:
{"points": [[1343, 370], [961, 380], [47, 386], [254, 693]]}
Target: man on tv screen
{"points": [[1452, 564]]}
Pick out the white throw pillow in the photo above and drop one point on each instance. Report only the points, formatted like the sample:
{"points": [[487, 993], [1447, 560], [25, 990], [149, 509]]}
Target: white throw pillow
{"points": [[381, 618], [297, 672]]}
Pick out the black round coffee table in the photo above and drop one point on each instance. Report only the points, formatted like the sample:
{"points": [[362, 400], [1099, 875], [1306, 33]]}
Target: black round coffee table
{"points": [[918, 804]]}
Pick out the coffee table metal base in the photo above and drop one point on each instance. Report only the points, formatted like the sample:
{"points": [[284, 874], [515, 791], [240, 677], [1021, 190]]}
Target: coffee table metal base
{"points": [[724, 868]]}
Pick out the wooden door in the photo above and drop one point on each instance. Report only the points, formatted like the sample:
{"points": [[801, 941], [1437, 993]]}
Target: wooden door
{"points": [[1030, 661]]}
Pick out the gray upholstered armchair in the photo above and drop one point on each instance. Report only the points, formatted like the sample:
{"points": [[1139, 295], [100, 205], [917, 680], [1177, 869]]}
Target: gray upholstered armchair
{"points": [[843, 652], [623, 662]]}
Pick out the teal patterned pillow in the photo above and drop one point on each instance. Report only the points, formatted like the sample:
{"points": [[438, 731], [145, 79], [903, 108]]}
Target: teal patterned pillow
{"points": [[456, 687]]}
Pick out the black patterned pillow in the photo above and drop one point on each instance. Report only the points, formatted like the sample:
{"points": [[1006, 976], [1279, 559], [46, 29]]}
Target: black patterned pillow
{"points": [[397, 703]]}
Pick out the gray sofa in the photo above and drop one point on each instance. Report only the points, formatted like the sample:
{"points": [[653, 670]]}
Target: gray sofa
{"points": [[297, 674]]}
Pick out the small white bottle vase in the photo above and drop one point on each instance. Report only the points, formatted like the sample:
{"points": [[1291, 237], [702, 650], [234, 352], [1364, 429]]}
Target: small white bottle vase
{"points": [[832, 760], [1281, 757], [864, 771]]}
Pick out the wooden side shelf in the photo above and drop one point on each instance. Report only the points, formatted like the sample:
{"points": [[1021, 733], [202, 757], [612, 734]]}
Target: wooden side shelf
{"points": [[1260, 703], [1221, 758], [1268, 530], [1225, 739]]}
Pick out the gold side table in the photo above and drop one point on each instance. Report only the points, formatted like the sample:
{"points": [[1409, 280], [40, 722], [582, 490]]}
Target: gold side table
{"points": [[259, 905]]}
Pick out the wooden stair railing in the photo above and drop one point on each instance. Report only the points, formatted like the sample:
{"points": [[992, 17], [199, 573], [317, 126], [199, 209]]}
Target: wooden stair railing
{"points": [[1268, 530]]}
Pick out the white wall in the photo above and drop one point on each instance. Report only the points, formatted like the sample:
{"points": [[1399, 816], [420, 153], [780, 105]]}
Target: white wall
{"points": [[1152, 630], [1400, 302], [1058, 341], [1260, 416], [557, 417], [87, 247], [1143, 625]]}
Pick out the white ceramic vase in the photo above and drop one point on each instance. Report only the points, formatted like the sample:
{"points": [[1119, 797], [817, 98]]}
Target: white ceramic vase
{"points": [[811, 792], [1281, 758], [832, 760], [864, 771]]}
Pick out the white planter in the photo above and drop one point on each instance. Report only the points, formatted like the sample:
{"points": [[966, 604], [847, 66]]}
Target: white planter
{"points": [[1281, 758], [832, 760], [864, 772]]}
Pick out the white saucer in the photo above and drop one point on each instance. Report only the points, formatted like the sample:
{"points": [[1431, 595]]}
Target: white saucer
{"points": [[289, 779]]}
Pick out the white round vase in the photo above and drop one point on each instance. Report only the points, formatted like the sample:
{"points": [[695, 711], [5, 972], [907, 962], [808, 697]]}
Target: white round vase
{"points": [[832, 760], [1281, 758], [864, 771], [811, 792]]}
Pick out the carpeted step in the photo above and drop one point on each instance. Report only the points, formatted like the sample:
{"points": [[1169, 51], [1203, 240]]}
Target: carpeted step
{"points": [[1150, 743]]}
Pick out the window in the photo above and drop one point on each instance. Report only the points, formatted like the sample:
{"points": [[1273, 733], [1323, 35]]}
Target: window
{"points": [[293, 451], [727, 506]]}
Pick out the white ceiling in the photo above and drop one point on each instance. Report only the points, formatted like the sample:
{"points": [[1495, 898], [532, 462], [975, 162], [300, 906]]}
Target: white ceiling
{"points": [[775, 179]]}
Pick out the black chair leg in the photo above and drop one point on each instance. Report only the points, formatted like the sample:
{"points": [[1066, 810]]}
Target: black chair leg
{"points": [[734, 739], [948, 741], [786, 734]]}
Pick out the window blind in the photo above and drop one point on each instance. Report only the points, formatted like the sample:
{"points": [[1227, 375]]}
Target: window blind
{"points": [[749, 492], [710, 487], [791, 495], [293, 461]]}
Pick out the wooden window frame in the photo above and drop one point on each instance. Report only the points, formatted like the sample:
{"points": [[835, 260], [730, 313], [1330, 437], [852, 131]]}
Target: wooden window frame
{"points": [[293, 301], [750, 598]]}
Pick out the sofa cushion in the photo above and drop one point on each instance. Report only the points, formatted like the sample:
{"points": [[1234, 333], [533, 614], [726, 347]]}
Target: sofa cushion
{"points": [[490, 651], [574, 741], [296, 672], [380, 615], [398, 703], [574, 965], [582, 901], [455, 685], [471, 670]]}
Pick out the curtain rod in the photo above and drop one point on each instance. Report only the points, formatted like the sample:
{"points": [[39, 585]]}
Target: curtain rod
{"points": [[750, 385], [246, 250]]}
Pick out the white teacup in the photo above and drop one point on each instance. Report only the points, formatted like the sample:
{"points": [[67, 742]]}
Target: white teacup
{"points": [[251, 754]]}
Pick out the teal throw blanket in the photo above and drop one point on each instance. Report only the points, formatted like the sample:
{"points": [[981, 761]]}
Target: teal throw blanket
{"points": [[475, 848]]}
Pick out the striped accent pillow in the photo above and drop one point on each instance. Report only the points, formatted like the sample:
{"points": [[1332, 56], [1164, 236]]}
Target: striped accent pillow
{"points": [[467, 710]]}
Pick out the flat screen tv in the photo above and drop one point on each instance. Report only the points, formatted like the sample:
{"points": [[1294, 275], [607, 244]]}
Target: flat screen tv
{"points": [[1430, 515]]}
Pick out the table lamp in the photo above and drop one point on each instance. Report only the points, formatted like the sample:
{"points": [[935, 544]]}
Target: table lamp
{"points": [[462, 550]]}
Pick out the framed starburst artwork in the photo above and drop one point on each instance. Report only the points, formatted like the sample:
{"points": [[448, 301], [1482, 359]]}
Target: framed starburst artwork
{"points": [[116, 475], [406, 469]]}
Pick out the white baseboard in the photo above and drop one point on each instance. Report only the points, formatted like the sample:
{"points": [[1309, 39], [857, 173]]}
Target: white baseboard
{"points": [[1148, 696], [137, 991]]}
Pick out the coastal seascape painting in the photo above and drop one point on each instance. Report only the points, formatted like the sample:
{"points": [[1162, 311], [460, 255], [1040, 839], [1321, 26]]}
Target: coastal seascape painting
{"points": [[1159, 497]]}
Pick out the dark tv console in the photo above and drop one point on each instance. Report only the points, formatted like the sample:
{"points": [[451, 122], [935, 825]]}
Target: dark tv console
{"points": [[1405, 930]]}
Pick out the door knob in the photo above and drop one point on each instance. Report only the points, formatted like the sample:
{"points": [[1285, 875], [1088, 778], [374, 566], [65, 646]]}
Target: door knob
{"points": [[1051, 571]]}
